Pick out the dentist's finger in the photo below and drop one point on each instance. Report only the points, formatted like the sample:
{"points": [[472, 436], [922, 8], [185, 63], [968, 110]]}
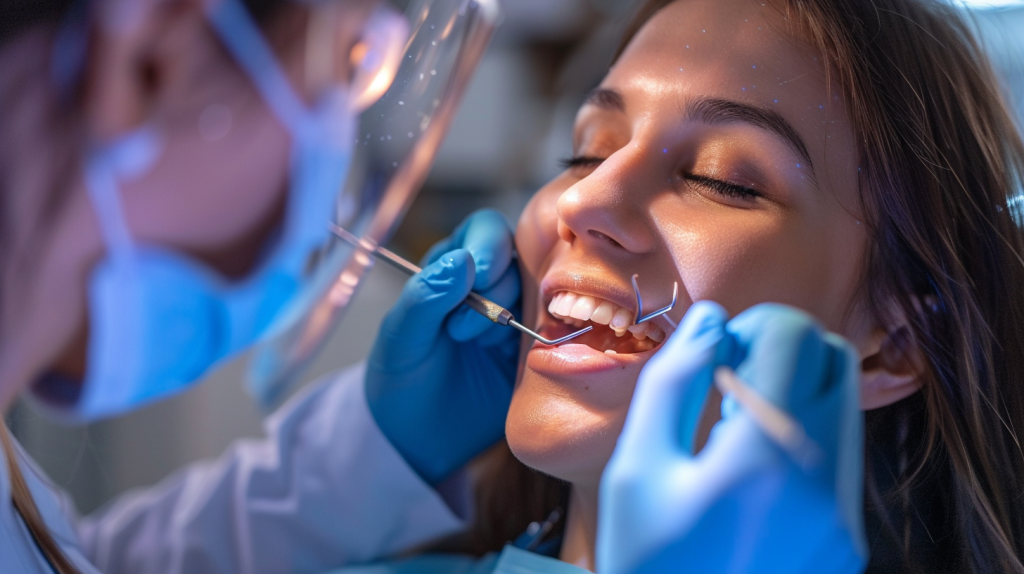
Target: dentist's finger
{"points": [[782, 355], [465, 324], [437, 250], [411, 329], [489, 239]]}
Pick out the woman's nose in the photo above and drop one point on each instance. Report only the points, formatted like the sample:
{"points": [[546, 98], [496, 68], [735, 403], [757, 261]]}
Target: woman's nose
{"points": [[608, 209]]}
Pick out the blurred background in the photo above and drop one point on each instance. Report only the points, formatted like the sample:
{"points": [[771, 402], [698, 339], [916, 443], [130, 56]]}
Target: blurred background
{"points": [[513, 127]]}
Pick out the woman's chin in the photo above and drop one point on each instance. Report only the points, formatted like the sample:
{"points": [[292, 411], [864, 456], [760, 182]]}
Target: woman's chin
{"points": [[567, 433]]}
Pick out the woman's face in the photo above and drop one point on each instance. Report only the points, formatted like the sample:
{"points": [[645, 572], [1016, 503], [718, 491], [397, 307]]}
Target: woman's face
{"points": [[712, 155]]}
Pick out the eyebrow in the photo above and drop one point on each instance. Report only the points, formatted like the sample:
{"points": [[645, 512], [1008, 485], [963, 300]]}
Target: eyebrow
{"points": [[717, 111]]}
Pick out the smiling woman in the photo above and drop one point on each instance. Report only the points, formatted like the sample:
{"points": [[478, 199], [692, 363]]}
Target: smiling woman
{"points": [[723, 153], [694, 162]]}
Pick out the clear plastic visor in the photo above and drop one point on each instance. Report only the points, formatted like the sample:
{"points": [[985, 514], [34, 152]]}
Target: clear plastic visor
{"points": [[397, 138]]}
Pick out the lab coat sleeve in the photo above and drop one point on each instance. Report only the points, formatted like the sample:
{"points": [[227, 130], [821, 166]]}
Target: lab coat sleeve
{"points": [[323, 490]]}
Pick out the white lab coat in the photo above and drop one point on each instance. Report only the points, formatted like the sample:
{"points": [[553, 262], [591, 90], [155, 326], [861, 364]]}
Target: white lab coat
{"points": [[325, 489]]}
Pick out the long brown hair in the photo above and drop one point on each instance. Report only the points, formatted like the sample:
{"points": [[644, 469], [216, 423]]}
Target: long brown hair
{"points": [[941, 166]]}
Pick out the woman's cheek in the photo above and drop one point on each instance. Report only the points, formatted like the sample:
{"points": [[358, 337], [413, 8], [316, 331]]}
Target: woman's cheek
{"points": [[537, 230], [736, 260]]}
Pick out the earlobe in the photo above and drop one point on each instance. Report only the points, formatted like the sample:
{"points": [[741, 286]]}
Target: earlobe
{"points": [[891, 373]]}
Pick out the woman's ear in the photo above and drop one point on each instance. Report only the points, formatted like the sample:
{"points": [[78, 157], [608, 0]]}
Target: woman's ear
{"points": [[133, 51], [892, 371]]}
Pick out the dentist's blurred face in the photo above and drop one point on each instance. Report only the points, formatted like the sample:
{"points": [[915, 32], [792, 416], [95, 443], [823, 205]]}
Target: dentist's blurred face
{"points": [[217, 192], [713, 155]]}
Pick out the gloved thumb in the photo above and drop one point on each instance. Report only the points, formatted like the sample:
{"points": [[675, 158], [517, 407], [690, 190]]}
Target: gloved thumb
{"points": [[411, 329], [673, 386], [784, 356]]}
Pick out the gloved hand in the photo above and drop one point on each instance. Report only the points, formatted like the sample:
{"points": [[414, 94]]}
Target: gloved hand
{"points": [[741, 504], [439, 378]]}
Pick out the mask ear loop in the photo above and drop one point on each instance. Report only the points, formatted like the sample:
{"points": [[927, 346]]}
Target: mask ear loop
{"points": [[240, 34], [126, 158], [101, 183]]}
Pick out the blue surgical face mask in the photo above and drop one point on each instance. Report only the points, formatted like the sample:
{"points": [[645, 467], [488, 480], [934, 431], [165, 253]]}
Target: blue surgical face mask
{"points": [[159, 319]]}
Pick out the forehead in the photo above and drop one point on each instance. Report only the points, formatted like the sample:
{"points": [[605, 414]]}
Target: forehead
{"points": [[744, 42], [743, 50]]}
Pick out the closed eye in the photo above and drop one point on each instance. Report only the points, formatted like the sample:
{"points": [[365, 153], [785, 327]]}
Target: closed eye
{"points": [[724, 188], [580, 161], [718, 186]]}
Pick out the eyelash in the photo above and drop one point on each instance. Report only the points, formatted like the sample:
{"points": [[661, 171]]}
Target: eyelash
{"points": [[716, 185], [579, 161], [723, 187]]}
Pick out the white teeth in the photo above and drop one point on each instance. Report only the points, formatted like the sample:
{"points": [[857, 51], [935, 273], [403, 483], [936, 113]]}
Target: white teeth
{"points": [[576, 310], [639, 331], [554, 302], [603, 313], [648, 331], [621, 321], [564, 306], [583, 308]]}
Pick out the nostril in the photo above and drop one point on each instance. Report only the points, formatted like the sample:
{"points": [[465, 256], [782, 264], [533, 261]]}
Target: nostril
{"points": [[602, 236]]}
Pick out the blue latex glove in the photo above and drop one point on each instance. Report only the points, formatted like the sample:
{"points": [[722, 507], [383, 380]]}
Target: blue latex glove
{"points": [[439, 378], [741, 504]]}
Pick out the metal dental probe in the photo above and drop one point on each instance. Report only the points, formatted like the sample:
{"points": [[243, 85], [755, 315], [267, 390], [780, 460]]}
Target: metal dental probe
{"points": [[639, 318], [489, 309]]}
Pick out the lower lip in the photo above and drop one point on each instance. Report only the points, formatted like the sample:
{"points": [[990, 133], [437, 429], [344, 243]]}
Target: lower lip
{"points": [[575, 359]]}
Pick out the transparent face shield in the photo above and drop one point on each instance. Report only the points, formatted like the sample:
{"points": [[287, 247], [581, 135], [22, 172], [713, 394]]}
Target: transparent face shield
{"points": [[397, 139]]}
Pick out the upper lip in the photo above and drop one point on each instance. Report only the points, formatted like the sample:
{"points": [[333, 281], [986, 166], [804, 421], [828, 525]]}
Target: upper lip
{"points": [[588, 284]]}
